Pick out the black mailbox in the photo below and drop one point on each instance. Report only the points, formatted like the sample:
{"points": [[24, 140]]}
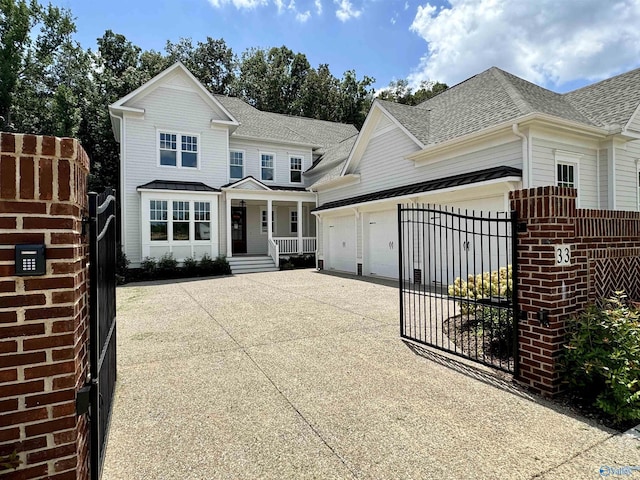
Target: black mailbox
{"points": [[30, 260]]}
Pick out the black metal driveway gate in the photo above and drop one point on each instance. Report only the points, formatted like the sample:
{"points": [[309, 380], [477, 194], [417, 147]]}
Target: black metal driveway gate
{"points": [[102, 311], [457, 272]]}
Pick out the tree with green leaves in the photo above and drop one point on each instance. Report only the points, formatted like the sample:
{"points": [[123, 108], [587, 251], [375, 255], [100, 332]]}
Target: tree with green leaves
{"points": [[399, 91]]}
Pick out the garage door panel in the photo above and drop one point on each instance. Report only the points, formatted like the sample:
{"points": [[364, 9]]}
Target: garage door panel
{"points": [[342, 245], [382, 252]]}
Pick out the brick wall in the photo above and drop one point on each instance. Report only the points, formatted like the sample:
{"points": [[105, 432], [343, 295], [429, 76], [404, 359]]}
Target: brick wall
{"points": [[605, 257], [43, 319]]}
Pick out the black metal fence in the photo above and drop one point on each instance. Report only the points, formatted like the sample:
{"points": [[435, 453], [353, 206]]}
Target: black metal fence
{"points": [[458, 282], [102, 300]]}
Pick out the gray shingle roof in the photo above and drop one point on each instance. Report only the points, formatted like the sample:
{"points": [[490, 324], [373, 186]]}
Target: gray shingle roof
{"points": [[276, 127], [610, 102], [495, 96]]}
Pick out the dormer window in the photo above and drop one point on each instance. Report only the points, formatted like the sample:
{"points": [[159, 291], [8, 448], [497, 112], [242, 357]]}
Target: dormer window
{"points": [[178, 150]]}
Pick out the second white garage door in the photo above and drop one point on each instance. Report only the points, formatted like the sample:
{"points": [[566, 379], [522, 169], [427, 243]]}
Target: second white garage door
{"points": [[382, 242]]}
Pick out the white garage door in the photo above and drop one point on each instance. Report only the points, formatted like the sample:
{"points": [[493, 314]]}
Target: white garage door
{"points": [[382, 244], [342, 245]]}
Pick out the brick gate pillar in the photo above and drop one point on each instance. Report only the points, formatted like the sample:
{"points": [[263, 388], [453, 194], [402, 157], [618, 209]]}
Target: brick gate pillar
{"points": [[43, 319], [546, 286]]}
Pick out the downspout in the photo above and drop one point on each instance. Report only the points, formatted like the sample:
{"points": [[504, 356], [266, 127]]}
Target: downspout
{"points": [[598, 175], [525, 156]]}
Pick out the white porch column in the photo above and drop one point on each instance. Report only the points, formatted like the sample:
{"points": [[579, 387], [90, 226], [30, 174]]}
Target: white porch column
{"points": [[229, 242], [269, 219], [300, 225]]}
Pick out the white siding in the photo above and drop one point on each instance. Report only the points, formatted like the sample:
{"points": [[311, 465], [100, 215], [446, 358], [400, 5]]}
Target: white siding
{"points": [[172, 110], [604, 179], [544, 169], [627, 176], [252, 161], [383, 165], [634, 124], [256, 240]]}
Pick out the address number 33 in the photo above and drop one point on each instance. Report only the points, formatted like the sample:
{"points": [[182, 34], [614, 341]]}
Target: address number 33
{"points": [[563, 255]]}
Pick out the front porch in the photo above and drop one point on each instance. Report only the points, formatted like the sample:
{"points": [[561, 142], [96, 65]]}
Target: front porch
{"points": [[291, 230]]}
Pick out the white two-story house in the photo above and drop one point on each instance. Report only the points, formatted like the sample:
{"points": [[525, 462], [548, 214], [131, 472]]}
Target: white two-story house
{"points": [[209, 174]]}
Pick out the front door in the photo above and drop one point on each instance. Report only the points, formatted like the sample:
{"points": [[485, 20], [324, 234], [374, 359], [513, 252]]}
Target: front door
{"points": [[239, 230]]}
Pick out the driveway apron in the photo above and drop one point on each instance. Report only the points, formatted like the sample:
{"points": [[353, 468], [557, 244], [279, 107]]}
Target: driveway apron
{"points": [[301, 374]]}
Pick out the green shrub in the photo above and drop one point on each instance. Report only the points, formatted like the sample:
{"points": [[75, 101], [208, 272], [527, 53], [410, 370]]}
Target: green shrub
{"points": [[167, 264], [190, 266], [149, 266], [207, 265], [122, 267], [221, 266], [601, 362]]}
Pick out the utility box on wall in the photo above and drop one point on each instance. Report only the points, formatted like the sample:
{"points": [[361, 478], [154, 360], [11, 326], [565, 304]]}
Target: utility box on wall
{"points": [[31, 260]]}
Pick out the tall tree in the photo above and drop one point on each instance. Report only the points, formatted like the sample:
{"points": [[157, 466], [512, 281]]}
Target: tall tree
{"points": [[33, 39], [211, 61], [399, 91]]}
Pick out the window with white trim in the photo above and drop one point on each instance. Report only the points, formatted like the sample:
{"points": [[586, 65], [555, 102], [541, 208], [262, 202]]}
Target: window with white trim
{"points": [[202, 219], [182, 153], [293, 221], [566, 175], [180, 222], [158, 220], [266, 167], [236, 164], [295, 169], [263, 221]]}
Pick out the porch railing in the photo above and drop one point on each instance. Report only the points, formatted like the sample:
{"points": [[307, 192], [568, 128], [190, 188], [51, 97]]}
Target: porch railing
{"points": [[274, 252], [289, 245]]}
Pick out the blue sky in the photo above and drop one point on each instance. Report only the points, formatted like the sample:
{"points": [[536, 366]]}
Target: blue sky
{"points": [[557, 44]]}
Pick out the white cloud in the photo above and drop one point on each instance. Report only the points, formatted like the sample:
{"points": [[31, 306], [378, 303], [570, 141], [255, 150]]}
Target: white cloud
{"points": [[303, 17], [318, 4], [393, 20], [281, 5], [239, 3], [548, 42], [406, 5], [346, 11]]}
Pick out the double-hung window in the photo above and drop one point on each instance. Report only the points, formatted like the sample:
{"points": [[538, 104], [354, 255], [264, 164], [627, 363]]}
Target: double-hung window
{"points": [[295, 169], [236, 165], [159, 220], [566, 175], [180, 220], [202, 218], [293, 221], [267, 167], [263, 221], [178, 150]]}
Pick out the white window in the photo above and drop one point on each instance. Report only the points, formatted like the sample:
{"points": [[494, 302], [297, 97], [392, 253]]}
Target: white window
{"points": [[566, 175], [182, 153], [202, 218], [180, 221], [159, 220], [293, 221], [266, 164], [295, 169], [263, 221], [236, 164]]}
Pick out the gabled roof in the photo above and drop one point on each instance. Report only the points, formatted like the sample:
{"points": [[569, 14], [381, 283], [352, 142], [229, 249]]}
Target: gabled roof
{"points": [[496, 173], [252, 182], [120, 105], [178, 186]]}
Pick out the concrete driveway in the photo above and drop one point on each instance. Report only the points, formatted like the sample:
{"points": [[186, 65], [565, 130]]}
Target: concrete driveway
{"points": [[302, 375]]}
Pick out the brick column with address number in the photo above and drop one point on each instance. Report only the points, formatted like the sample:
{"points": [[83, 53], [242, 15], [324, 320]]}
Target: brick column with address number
{"points": [[546, 289], [567, 258], [43, 319]]}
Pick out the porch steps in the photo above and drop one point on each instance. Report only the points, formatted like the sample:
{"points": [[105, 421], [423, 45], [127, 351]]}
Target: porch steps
{"points": [[252, 264]]}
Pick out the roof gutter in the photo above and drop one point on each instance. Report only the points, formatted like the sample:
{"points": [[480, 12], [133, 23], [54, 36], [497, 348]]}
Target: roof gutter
{"points": [[526, 161]]}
